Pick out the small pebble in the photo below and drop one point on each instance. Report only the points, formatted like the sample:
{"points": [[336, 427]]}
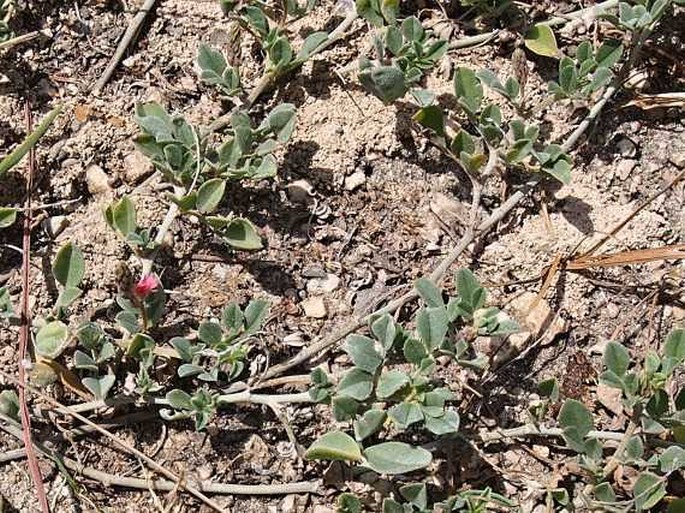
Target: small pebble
{"points": [[55, 225], [314, 307], [97, 180], [355, 180]]}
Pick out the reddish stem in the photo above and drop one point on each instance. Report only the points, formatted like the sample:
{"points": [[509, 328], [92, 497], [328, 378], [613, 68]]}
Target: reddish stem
{"points": [[24, 332]]}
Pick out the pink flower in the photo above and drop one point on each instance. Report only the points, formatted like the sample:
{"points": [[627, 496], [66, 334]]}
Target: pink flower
{"points": [[145, 286]]}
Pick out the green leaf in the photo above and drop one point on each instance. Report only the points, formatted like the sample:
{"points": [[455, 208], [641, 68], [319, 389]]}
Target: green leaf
{"points": [[385, 82], [470, 291], [210, 333], [349, 503], [468, 89], [356, 384], [363, 353], [576, 422], [540, 40], [396, 458], [99, 387], [242, 234], [384, 330], [257, 19], [232, 317], [179, 399], [9, 404], [20, 151], [211, 61], [447, 424], [344, 408], [462, 143], [414, 351], [311, 43], [69, 266], [405, 414], [389, 10], [608, 54], [672, 459], [432, 325], [648, 491], [616, 358], [51, 339], [210, 194], [391, 382], [68, 296], [415, 494], [335, 445], [604, 493], [429, 292], [561, 170], [411, 29], [281, 121], [7, 216], [634, 449], [255, 314], [431, 117], [368, 9], [675, 345], [124, 216], [392, 506], [369, 424], [90, 335]]}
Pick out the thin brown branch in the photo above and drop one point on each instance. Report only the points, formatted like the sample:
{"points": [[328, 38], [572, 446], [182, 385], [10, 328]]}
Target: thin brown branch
{"points": [[25, 328], [157, 484], [128, 38], [123, 445]]}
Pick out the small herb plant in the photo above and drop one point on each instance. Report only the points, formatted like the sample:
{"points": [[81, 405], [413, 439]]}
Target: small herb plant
{"points": [[483, 129], [201, 171], [655, 408], [412, 50], [589, 72], [391, 383]]}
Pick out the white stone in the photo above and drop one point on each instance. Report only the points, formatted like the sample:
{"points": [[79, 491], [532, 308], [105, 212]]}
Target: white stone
{"points": [[136, 166], [97, 180], [355, 180], [314, 307]]}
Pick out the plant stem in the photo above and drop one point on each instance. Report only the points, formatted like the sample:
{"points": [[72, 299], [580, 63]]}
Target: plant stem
{"points": [[533, 430], [123, 445], [25, 329], [594, 10], [24, 38], [159, 484]]}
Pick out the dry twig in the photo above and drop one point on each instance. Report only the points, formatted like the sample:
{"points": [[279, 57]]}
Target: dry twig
{"points": [[128, 38], [25, 329]]}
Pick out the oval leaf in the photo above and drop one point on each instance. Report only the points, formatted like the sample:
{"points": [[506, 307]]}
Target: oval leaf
{"points": [[540, 40], [335, 445], [209, 195], [242, 234], [396, 458], [51, 339], [69, 266]]}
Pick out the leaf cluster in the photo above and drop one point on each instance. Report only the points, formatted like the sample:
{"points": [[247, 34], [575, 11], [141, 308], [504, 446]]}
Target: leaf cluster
{"points": [[391, 381], [485, 128]]}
